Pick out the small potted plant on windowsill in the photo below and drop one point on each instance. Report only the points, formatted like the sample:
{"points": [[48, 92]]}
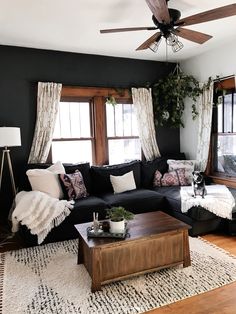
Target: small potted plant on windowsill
{"points": [[118, 216]]}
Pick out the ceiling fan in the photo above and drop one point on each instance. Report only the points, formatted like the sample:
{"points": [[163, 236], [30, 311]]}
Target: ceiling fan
{"points": [[171, 26]]}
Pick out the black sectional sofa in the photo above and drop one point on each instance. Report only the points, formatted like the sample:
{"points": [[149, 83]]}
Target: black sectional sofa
{"points": [[143, 199]]}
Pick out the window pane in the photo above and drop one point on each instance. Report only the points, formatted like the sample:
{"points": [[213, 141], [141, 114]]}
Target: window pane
{"points": [[121, 120], [119, 131], [64, 115], [127, 112], [226, 155], [73, 120], [110, 115], [85, 127], [134, 123], [72, 151], [219, 113], [227, 113], [123, 150]]}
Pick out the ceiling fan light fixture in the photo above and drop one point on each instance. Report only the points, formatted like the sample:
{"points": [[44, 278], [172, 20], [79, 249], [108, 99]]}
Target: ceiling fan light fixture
{"points": [[173, 41], [177, 46], [155, 45]]}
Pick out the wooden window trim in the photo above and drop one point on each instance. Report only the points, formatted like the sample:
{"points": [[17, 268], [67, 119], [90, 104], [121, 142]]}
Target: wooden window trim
{"points": [[227, 84], [74, 91]]}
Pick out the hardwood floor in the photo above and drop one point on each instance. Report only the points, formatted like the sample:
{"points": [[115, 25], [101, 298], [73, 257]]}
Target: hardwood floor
{"points": [[218, 301], [8, 241]]}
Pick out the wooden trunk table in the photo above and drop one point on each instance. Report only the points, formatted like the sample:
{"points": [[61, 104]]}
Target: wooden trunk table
{"points": [[155, 240]]}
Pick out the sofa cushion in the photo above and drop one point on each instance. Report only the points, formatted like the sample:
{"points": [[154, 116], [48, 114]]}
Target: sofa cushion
{"points": [[172, 195], [84, 208], [148, 168], [137, 201], [100, 176]]}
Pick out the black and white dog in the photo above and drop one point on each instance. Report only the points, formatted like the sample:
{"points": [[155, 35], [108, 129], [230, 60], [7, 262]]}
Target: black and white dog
{"points": [[198, 184]]}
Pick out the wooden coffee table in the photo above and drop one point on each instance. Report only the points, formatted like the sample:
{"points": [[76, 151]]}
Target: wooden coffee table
{"points": [[155, 240]]}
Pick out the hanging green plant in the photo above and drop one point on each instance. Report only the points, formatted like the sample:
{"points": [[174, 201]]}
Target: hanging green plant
{"points": [[111, 100], [169, 95]]}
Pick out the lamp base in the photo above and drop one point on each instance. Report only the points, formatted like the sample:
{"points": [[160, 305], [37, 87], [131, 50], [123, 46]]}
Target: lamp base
{"points": [[6, 152]]}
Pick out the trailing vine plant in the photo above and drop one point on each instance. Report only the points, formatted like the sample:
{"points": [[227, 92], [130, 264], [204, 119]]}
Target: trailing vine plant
{"points": [[110, 99], [169, 95]]}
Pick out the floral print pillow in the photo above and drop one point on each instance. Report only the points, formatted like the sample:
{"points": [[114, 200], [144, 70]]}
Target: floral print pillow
{"points": [[171, 178]]}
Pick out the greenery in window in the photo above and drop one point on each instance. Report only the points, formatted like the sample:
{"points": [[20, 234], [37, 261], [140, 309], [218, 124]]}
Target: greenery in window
{"points": [[111, 100], [169, 96]]}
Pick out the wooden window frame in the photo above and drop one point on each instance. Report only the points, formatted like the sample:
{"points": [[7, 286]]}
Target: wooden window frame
{"points": [[227, 84], [97, 98]]}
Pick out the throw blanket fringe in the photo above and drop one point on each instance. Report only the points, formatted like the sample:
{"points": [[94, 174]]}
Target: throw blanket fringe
{"points": [[39, 212], [218, 200]]}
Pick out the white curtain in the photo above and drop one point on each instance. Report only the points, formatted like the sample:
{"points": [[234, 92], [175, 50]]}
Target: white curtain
{"points": [[142, 100], [204, 129], [48, 99]]}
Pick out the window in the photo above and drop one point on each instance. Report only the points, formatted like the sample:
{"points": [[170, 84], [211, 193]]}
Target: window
{"points": [[225, 137], [88, 129], [223, 147], [72, 138], [122, 133]]}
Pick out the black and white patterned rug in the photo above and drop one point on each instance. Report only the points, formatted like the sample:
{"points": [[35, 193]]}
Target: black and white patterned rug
{"points": [[47, 280]]}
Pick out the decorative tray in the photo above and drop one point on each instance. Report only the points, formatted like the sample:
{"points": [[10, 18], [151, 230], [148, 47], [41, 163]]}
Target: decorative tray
{"points": [[101, 234]]}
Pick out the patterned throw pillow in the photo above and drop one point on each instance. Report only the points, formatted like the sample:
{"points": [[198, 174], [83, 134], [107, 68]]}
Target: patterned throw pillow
{"points": [[171, 178], [74, 185], [157, 178], [188, 165]]}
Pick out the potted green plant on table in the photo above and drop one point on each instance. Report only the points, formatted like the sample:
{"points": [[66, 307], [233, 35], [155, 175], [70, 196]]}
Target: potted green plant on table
{"points": [[118, 216]]}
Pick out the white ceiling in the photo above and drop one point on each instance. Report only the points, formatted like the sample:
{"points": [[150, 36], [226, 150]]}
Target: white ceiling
{"points": [[73, 25]]}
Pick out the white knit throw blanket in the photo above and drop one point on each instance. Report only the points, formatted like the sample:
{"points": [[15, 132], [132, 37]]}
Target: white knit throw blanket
{"points": [[39, 212], [218, 200]]}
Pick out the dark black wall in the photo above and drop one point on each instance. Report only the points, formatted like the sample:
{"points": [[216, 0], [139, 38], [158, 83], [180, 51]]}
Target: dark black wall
{"points": [[22, 68]]}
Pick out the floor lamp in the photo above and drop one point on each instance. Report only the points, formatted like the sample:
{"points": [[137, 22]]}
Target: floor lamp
{"points": [[9, 137]]}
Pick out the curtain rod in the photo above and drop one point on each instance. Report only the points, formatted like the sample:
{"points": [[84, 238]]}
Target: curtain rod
{"points": [[223, 78]]}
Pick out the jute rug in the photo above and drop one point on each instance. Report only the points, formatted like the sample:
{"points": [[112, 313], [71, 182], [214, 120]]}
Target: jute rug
{"points": [[47, 280]]}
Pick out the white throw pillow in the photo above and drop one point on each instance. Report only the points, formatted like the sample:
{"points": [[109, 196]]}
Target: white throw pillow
{"points": [[47, 180], [123, 183]]}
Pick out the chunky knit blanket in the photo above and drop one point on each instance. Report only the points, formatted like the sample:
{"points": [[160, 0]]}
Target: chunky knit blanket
{"points": [[39, 212], [218, 200]]}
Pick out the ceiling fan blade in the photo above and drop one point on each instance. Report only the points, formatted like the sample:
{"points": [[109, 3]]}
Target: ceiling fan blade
{"points": [[149, 41], [126, 29], [189, 34], [160, 10], [215, 14]]}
